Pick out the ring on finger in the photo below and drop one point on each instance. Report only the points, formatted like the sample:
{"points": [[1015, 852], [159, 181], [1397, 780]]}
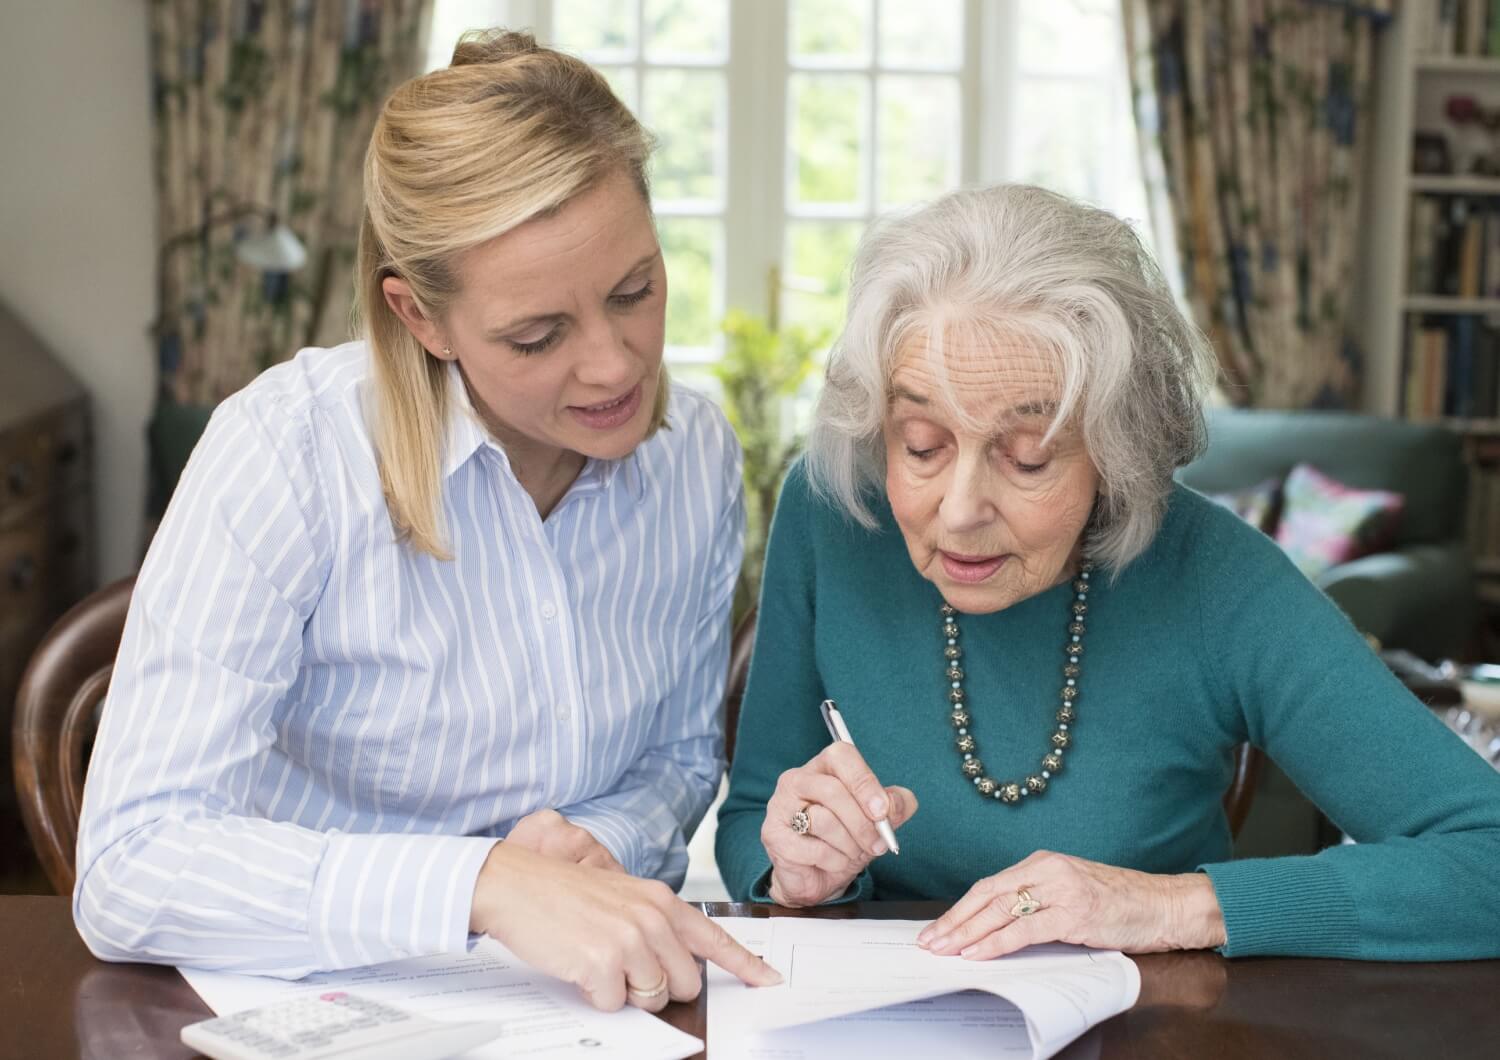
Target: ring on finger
{"points": [[1025, 903], [646, 995], [800, 822]]}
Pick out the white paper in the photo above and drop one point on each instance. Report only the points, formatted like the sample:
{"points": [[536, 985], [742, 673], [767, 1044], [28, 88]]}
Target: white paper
{"points": [[866, 985], [543, 1016]]}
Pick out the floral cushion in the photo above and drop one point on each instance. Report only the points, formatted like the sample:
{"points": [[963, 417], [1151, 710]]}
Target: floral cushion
{"points": [[1325, 523], [1258, 505]]}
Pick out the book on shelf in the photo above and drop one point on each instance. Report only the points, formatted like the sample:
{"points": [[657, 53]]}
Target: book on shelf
{"points": [[1454, 246], [1458, 27], [1451, 367], [1483, 529], [1478, 513]]}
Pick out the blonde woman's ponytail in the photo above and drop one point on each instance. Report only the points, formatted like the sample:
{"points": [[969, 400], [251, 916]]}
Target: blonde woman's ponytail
{"points": [[411, 409]]}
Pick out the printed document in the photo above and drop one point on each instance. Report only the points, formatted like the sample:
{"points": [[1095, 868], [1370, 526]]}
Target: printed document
{"points": [[865, 988], [543, 1016]]}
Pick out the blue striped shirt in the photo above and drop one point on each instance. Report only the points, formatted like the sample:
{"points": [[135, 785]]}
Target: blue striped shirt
{"points": [[314, 734]]}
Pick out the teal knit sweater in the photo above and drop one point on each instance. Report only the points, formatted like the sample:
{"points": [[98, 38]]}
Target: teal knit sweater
{"points": [[1208, 639]]}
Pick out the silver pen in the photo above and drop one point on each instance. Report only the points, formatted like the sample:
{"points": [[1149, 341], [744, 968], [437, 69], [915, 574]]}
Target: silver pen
{"points": [[840, 732]]}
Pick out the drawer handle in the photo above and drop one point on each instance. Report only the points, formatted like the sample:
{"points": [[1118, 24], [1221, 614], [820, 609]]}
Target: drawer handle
{"points": [[22, 574], [18, 477], [67, 452]]}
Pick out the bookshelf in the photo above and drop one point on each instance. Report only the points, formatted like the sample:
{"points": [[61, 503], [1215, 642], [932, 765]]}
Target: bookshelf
{"points": [[1428, 304], [1451, 64], [1449, 305]]}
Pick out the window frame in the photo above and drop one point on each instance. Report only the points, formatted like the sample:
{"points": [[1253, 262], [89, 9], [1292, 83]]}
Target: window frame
{"points": [[756, 153]]}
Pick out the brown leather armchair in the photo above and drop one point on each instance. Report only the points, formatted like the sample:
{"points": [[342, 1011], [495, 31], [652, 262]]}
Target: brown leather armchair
{"points": [[57, 714]]}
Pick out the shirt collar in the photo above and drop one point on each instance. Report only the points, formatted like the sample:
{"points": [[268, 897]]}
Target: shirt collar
{"points": [[467, 435]]}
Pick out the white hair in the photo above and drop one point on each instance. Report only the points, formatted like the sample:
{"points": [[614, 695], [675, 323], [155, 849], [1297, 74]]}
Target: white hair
{"points": [[1020, 266]]}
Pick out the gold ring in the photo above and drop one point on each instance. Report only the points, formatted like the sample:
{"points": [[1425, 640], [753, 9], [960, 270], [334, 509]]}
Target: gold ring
{"points": [[656, 991], [801, 822], [1025, 904]]}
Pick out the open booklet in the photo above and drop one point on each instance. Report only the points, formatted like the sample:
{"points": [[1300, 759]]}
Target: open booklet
{"points": [[864, 988], [543, 1017]]}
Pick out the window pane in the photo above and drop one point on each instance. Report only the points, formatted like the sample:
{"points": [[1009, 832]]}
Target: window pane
{"points": [[816, 275], [831, 31], [625, 84], [1069, 36], [919, 137], [929, 34], [691, 247], [828, 134], [450, 18], [1061, 135], [685, 109], [596, 27], [687, 29]]}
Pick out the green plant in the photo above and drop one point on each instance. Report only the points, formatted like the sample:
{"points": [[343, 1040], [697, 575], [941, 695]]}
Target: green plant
{"points": [[761, 371]]}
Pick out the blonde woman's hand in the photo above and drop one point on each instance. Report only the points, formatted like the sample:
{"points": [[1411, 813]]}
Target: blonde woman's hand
{"points": [[1081, 902], [552, 835], [617, 938], [842, 800]]}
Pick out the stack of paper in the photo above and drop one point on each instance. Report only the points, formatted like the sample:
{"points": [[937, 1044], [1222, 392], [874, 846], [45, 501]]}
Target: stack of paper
{"points": [[864, 988], [543, 1016]]}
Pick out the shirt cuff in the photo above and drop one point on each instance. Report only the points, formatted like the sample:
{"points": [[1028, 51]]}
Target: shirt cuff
{"points": [[384, 897], [618, 833], [1293, 906]]}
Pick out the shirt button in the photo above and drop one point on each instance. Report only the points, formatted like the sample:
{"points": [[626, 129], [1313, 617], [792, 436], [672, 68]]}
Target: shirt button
{"points": [[562, 713], [549, 612]]}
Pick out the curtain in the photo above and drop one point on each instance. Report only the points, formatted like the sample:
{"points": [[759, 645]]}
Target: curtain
{"points": [[1254, 113], [263, 105]]}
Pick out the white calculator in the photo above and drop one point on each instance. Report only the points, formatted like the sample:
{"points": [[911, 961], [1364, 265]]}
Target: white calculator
{"points": [[334, 1024]]}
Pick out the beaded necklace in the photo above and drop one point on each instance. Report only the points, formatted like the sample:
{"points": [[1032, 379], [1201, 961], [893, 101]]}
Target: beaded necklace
{"points": [[1009, 791]]}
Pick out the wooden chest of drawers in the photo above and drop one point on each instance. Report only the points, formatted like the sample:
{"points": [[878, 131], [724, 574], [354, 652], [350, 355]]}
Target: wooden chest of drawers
{"points": [[46, 527]]}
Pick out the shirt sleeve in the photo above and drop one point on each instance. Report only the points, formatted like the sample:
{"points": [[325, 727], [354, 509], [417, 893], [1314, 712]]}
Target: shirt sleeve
{"points": [[646, 820], [174, 866], [1424, 809]]}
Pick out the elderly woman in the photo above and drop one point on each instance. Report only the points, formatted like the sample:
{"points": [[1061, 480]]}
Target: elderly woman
{"points": [[1055, 650]]}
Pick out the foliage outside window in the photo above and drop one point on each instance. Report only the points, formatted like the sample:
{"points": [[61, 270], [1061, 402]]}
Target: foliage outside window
{"points": [[760, 372]]}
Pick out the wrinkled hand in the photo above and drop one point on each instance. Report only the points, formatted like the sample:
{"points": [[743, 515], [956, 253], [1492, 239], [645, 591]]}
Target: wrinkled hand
{"points": [[552, 835], [1083, 902], [843, 800], [608, 933]]}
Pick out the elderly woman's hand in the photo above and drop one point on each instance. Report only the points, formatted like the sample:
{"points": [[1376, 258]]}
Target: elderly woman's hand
{"points": [[1081, 902], [842, 801]]}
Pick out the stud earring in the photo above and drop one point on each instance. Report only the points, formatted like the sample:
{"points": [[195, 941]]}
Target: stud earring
{"points": [[447, 351]]}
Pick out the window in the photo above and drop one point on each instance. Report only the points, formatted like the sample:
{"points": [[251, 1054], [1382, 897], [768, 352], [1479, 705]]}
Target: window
{"points": [[1072, 128], [875, 120], [667, 60], [784, 126]]}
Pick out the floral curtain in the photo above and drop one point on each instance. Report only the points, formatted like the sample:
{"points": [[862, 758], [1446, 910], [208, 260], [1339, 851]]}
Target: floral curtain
{"points": [[1258, 110], [263, 105]]}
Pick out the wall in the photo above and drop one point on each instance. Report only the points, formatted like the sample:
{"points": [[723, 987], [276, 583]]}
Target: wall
{"points": [[77, 224]]}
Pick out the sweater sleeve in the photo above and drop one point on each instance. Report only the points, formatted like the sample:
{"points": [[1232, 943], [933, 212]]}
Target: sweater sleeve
{"points": [[779, 721], [1423, 809]]}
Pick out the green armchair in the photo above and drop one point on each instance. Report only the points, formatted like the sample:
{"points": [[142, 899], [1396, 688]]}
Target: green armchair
{"points": [[1420, 595]]}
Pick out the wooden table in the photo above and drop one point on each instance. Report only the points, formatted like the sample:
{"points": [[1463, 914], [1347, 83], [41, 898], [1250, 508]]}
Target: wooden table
{"points": [[57, 1001]]}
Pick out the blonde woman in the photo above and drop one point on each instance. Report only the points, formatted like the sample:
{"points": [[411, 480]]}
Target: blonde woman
{"points": [[432, 638]]}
